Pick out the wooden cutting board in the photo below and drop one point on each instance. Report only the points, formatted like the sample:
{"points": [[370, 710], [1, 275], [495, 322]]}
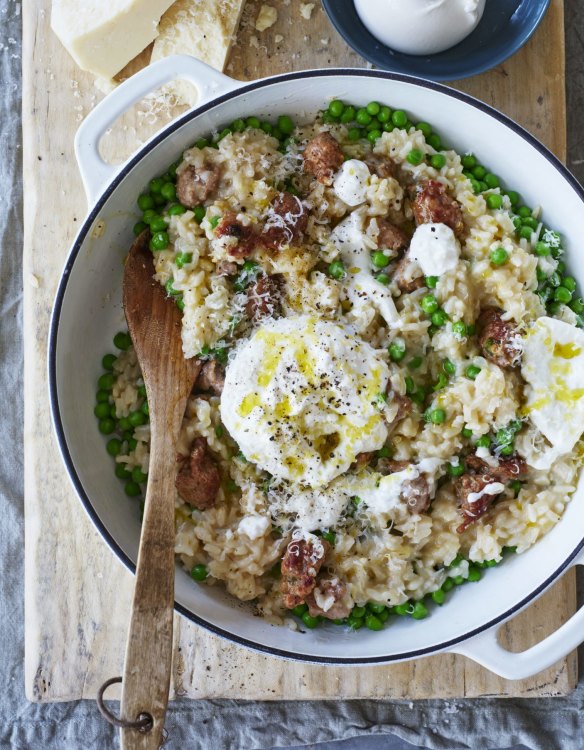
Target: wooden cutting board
{"points": [[77, 593]]}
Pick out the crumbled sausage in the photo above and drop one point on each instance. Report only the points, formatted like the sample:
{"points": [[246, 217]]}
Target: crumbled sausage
{"points": [[402, 275], [322, 157], [416, 493], [300, 566], [264, 297], [329, 589], [245, 238], [433, 205], [195, 184], [380, 165], [362, 460], [391, 237], [198, 482], [509, 467], [404, 406], [227, 268], [211, 377], [469, 484], [498, 339], [287, 221]]}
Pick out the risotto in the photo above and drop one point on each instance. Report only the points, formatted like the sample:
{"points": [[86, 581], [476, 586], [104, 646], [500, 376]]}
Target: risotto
{"points": [[391, 392]]}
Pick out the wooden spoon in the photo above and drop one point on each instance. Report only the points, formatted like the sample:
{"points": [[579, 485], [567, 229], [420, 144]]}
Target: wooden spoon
{"points": [[154, 321]]}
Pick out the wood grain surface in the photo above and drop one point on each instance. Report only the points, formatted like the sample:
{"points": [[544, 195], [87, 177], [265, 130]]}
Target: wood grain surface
{"points": [[78, 595]]}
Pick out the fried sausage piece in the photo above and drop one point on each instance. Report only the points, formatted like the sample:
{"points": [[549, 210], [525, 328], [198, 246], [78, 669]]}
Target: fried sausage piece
{"points": [[362, 460], [245, 237], [194, 185], [498, 339], [415, 492], [391, 237], [380, 165], [211, 378], [198, 482], [288, 221], [473, 509], [300, 566], [264, 297], [323, 156], [433, 205], [401, 275], [332, 594], [509, 468]]}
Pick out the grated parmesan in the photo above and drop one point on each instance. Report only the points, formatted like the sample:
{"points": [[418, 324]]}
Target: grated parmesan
{"points": [[306, 10]]}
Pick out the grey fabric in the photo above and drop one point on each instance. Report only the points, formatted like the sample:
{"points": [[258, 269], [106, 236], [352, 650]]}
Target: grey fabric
{"points": [[551, 724]]}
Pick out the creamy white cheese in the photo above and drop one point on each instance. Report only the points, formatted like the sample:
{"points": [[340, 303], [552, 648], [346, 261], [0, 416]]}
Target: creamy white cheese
{"points": [[420, 27], [254, 526], [435, 248], [352, 181], [494, 488], [553, 367], [355, 248], [301, 399]]}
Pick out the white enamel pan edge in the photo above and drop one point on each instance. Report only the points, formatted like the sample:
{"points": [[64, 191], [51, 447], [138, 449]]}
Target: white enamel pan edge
{"points": [[88, 311]]}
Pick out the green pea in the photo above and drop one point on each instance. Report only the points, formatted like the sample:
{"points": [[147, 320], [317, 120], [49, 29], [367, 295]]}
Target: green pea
{"points": [[106, 426], [459, 329], [132, 489], [479, 172], [529, 221], [483, 442], [388, 127], [429, 304], [182, 259], [439, 318], [299, 609], [438, 596], [137, 418], [570, 283], [168, 191], [397, 351], [336, 108], [330, 537], [420, 611], [138, 475], [542, 249], [425, 128], [554, 279], [468, 161], [223, 134], [459, 580], [124, 424], [102, 397], [399, 118], [106, 381], [577, 305], [337, 270], [373, 135], [158, 224], [139, 227], [483, 186], [102, 410], [494, 201], [199, 572], [267, 127], [358, 612], [476, 188], [121, 472], [435, 416], [214, 221], [415, 362], [415, 157], [176, 209], [563, 295], [373, 108], [525, 233], [410, 385], [448, 585], [449, 367], [354, 134], [373, 623], [348, 114], [285, 124], [466, 432], [513, 197], [114, 447], [403, 609], [382, 278], [145, 202], [252, 122], [159, 241], [363, 117], [122, 341], [438, 161], [492, 180], [474, 574], [108, 361], [472, 371], [145, 409], [202, 143], [455, 470], [379, 259], [499, 256], [156, 185], [149, 215], [442, 382], [431, 281], [310, 621]]}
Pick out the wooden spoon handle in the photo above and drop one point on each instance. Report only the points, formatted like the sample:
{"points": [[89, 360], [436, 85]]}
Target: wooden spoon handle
{"points": [[148, 660]]}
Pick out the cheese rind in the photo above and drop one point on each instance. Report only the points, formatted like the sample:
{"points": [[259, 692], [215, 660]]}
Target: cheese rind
{"points": [[102, 37]]}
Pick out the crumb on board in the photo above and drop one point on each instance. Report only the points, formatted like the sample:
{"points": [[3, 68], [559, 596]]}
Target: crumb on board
{"points": [[267, 17], [34, 280], [278, 38], [306, 10]]}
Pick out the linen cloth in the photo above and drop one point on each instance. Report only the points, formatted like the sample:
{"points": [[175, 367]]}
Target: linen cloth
{"points": [[542, 724]]}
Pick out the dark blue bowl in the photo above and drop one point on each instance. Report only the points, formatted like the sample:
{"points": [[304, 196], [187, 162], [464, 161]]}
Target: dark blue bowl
{"points": [[504, 28]]}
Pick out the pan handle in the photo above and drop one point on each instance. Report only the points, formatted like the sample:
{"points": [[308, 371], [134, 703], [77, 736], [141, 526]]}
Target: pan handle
{"points": [[97, 173], [488, 652]]}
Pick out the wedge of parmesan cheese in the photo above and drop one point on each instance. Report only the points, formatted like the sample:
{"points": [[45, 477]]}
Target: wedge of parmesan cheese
{"points": [[205, 29], [102, 37]]}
